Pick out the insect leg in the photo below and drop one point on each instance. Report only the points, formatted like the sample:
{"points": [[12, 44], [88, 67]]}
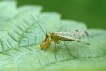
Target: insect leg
{"points": [[55, 52], [48, 42], [68, 50]]}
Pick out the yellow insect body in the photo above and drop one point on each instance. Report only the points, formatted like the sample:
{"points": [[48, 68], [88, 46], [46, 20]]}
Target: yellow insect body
{"points": [[45, 43], [57, 37]]}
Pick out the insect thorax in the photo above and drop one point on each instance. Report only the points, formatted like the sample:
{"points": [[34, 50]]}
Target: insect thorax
{"points": [[55, 37]]}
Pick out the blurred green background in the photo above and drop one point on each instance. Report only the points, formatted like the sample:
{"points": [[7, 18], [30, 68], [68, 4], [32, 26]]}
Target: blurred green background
{"points": [[91, 12]]}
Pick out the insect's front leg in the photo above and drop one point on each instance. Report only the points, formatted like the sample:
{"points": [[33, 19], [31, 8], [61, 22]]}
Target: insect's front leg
{"points": [[47, 44]]}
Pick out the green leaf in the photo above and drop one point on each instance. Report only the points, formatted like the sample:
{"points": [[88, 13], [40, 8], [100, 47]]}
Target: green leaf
{"points": [[20, 37]]}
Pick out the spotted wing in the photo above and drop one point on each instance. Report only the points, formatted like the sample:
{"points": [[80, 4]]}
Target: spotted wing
{"points": [[72, 33]]}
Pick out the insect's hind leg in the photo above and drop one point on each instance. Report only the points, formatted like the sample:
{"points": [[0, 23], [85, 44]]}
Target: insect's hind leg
{"points": [[68, 50]]}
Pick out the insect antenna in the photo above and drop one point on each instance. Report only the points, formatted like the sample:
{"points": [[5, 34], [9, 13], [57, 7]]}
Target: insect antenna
{"points": [[39, 26]]}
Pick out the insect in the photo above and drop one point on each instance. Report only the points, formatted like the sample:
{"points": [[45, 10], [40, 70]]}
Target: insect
{"points": [[57, 37]]}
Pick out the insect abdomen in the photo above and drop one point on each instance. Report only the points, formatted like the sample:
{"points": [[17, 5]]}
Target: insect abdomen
{"points": [[65, 38]]}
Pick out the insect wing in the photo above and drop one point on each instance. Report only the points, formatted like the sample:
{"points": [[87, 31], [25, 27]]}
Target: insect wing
{"points": [[72, 33]]}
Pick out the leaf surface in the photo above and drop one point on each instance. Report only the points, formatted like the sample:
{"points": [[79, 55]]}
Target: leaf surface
{"points": [[20, 37]]}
